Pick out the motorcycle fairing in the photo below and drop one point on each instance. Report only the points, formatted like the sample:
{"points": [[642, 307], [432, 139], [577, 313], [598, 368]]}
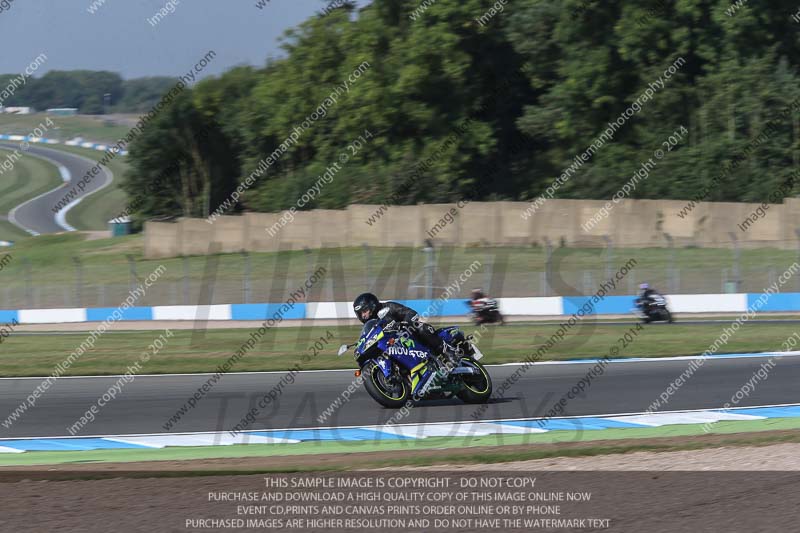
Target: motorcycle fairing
{"points": [[404, 351]]}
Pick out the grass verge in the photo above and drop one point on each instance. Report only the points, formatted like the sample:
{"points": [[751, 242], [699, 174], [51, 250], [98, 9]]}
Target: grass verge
{"points": [[190, 352], [10, 232], [94, 128], [517, 271], [30, 177]]}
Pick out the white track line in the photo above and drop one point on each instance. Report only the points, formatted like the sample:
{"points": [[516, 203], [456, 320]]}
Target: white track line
{"points": [[61, 216]]}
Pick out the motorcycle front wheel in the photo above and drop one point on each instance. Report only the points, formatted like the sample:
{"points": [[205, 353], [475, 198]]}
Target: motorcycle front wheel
{"points": [[392, 392], [477, 388]]}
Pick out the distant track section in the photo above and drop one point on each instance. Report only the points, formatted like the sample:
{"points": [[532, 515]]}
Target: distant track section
{"points": [[37, 216]]}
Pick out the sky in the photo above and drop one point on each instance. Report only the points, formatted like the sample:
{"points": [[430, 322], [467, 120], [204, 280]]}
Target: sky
{"points": [[119, 38]]}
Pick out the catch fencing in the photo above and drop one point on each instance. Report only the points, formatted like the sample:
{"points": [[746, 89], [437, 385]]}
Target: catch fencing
{"points": [[392, 273]]}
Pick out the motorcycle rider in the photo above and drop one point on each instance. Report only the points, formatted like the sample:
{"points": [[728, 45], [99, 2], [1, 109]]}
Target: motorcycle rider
{"points": [[478, 298], [367, 306], [478, 302], [647, 296]]}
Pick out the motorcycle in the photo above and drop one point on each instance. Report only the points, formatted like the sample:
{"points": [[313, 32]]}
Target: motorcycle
{"points": [[485, 311], [396, 368], [657, 311]]}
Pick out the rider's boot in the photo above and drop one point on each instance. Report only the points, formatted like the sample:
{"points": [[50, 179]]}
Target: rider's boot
{"points": [[448, 357], [438, 365]]}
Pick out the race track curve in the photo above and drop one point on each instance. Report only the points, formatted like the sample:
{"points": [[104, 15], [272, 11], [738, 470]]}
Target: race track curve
{"points": [[36, 215]]}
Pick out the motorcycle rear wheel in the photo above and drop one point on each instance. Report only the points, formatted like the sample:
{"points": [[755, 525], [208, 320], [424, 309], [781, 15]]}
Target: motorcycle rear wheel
{"points": [[393, 396]]}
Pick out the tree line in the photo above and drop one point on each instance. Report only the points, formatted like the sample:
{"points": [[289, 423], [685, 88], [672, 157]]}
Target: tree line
{"points": [[91, 92], [496, 110]]}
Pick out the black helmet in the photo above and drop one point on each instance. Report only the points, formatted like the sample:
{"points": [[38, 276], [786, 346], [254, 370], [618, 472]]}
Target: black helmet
{"points": [[366, 306]]}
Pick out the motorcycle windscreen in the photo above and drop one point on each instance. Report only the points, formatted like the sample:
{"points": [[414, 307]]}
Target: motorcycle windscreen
{"points": [[368, 338]]}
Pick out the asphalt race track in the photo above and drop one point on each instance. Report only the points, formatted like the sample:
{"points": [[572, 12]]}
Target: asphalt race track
{"points": [[146, 403], [37, 214]]}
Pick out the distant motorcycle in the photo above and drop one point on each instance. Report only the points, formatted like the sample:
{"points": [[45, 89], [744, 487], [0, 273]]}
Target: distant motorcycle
{"points": [[655, 311], [485, 311], [396, 369]]}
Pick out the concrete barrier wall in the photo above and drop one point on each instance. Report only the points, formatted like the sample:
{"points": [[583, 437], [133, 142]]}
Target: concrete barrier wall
{"points": [[629, 223], [230, 233], [161, 239], [194, 236], [258, 239]]}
